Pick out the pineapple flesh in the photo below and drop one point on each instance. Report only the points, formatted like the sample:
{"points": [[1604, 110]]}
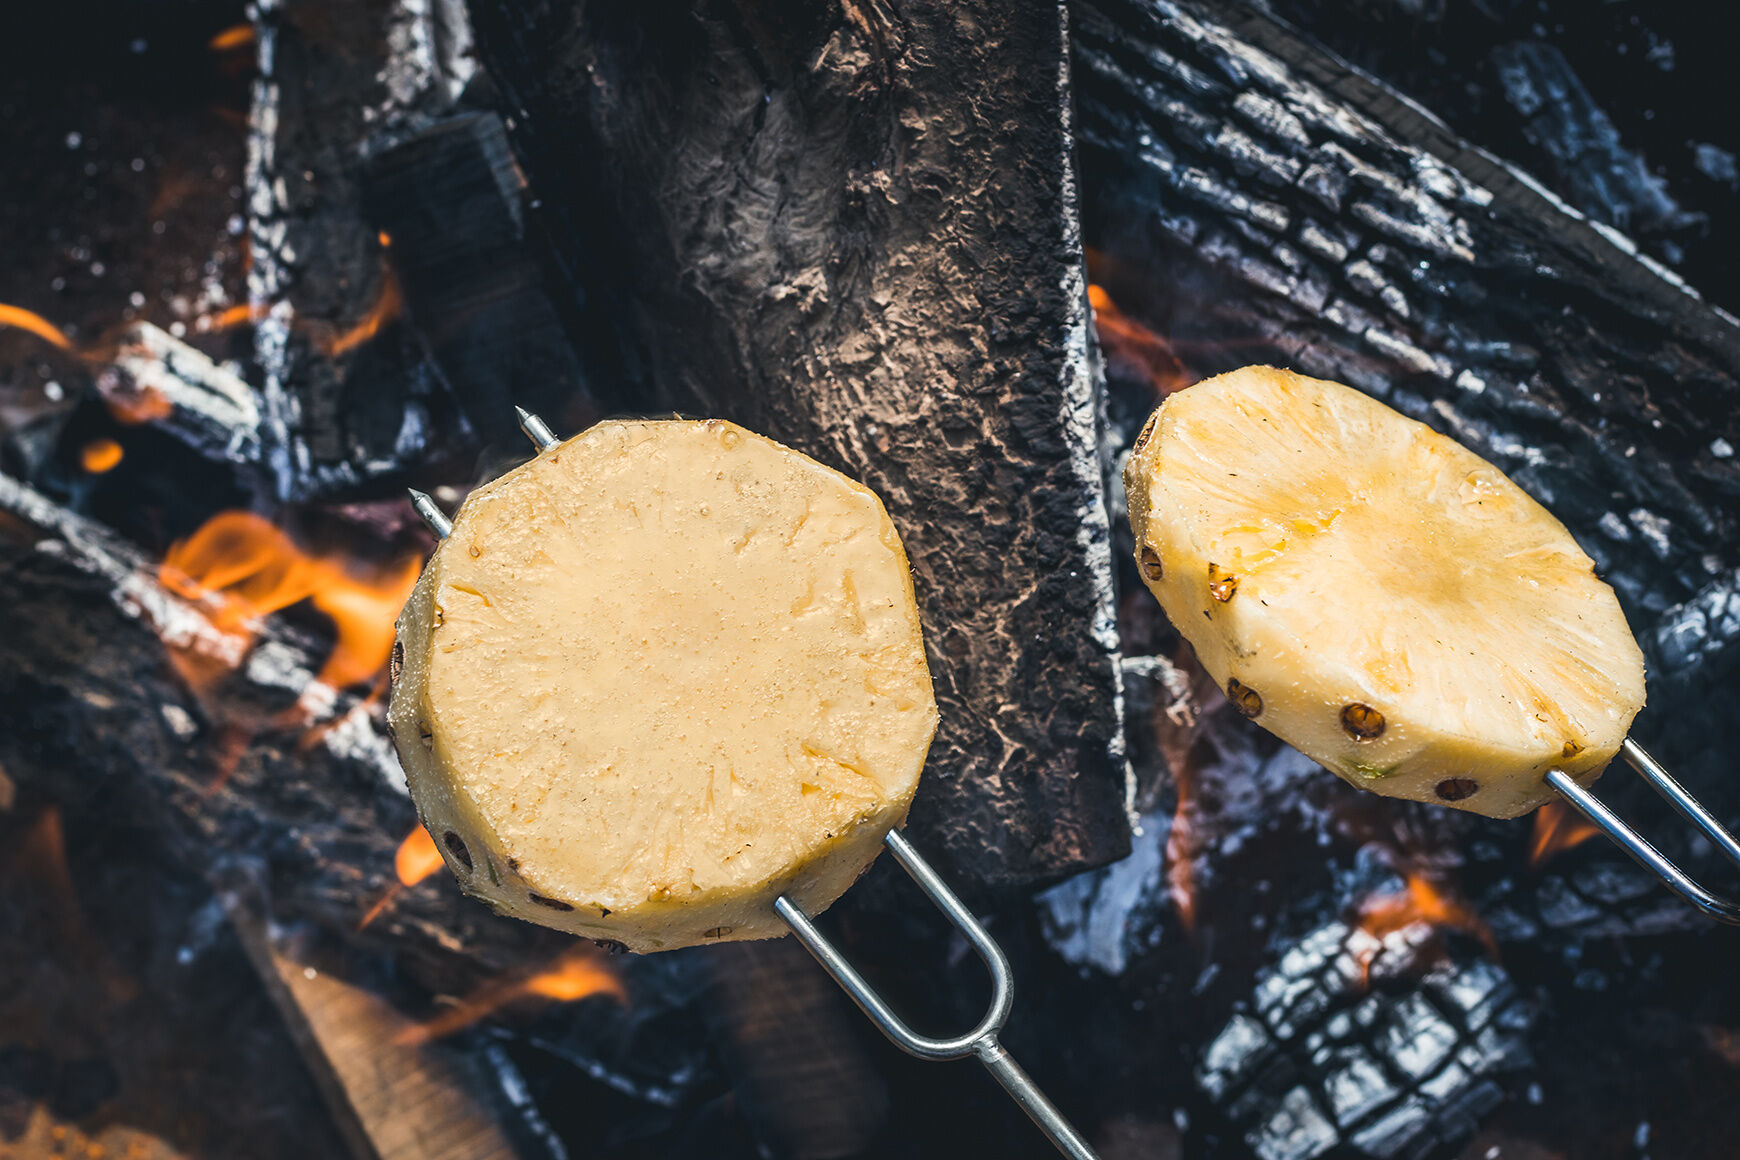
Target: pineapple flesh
{"points": [[658, 676], [1377, 595]]}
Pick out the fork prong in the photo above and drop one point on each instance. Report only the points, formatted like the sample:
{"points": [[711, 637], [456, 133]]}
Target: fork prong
{"points": [[1641, 850], [1689, 807], [536, 429], [433, 516]]}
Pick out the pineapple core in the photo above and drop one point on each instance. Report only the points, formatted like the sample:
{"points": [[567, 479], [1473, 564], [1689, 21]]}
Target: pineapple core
{"points": [[658, 676], [1377, 595]]}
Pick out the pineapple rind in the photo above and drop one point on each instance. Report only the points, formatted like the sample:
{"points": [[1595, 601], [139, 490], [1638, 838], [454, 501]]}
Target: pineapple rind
{"points": [[1324, 550]]}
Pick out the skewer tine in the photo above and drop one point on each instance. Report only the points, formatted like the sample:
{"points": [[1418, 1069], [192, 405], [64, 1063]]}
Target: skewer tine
{"points": [[981, 1040], [1640, 848], [432, 515], [536, 429]]}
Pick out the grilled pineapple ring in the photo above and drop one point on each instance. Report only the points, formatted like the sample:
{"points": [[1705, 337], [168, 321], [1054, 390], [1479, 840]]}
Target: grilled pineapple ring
{"points": [[1377, 595], [657, 677]]}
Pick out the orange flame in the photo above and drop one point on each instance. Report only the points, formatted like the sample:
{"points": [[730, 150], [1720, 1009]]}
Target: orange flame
{"points": [[384, 310], [417, 858], [242, 568], [100, 455], [1420, 902], [233, 37], [35, 323], [575, 974], [1558, 828], [1128, 340]]}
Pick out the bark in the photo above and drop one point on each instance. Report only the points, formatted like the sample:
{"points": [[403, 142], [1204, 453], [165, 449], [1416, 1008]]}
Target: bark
{"points": [[853, 227]]}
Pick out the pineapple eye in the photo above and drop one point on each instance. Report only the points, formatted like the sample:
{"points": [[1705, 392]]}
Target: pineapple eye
{"points": [[1147, 432], [1454, 789], [1244, 698], [398, 661], [1151, 567], [1221, 586], [1361, 722], [1571, 750], [456, 845], [552, 903]]}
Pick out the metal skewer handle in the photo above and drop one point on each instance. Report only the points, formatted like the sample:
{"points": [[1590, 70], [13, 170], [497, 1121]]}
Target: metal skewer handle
{"points": [[1640, 848], [981, 1040]]}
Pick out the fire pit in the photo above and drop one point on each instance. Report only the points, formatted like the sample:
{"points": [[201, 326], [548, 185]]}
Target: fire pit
{"points": [[272, 265]]}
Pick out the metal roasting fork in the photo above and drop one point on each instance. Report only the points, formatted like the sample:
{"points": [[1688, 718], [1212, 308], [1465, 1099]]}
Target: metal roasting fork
{"points": [[1639, 847], [981, 1040]]}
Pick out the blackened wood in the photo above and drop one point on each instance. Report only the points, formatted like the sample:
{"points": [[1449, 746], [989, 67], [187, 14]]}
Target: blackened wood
{"points": [[852, 227], [399, 313], [448, 198]]}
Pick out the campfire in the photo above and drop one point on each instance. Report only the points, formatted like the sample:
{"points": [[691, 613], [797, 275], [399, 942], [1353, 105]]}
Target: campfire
{"points": [[269, 267]]}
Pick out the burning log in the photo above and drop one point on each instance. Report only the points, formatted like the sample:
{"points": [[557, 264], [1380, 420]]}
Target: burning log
{"points": [[853, 229], [264, 772]]}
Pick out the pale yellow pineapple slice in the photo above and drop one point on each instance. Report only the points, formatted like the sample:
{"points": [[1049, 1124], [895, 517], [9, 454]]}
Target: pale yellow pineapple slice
{"points": [[1377, 595], [658, 676]]}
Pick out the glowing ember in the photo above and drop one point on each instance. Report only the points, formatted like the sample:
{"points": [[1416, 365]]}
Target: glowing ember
{"points": [[234, 37], [1558, 827], [100, 455], [1420, 902], [241, 568], [239, 315], [1127, 340], [576, 974], [35, 323], [385, 309], [1181, 850], [136, 405]]}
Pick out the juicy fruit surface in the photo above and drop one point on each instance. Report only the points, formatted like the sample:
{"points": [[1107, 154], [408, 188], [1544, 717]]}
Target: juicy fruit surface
{"points": [[659, 675], [1377, 595]]}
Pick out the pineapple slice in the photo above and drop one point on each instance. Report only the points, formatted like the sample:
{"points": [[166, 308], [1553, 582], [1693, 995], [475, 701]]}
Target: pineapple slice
{"points": [[1377, 595], [658, 676]]}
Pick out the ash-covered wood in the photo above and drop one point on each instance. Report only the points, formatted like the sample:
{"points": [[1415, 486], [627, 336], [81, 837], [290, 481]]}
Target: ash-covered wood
{"points": [[1335, 1056], [852, 227]]}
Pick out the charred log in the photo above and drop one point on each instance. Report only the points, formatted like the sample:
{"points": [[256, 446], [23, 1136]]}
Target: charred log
{"points": [[853, 228]]}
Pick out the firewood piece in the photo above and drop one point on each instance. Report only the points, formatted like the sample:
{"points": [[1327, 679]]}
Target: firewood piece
{"points": [[854, 229], [392, 1097]]}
